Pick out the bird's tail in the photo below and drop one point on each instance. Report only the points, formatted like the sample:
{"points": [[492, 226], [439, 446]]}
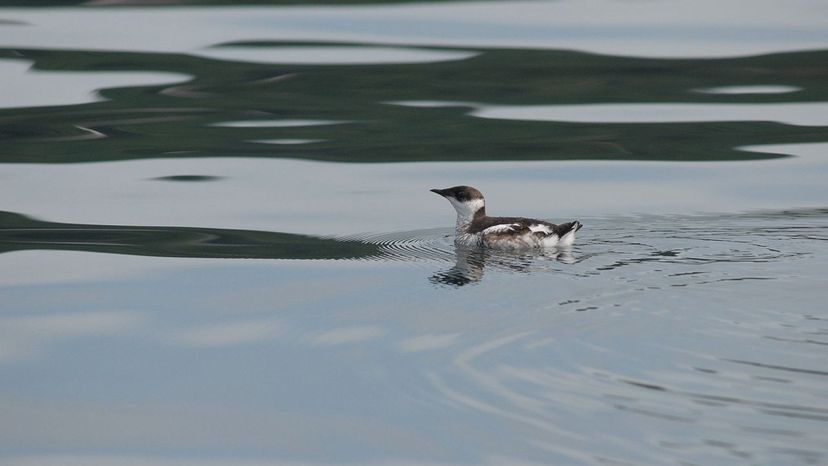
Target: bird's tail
{"points": [[567, 227], [566, 235]]}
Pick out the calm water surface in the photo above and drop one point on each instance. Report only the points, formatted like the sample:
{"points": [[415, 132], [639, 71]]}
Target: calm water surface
{"points": [[217, 244]]}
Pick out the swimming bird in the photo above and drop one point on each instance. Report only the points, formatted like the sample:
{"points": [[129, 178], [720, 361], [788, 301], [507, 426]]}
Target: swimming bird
{"points": [[474, 227]]}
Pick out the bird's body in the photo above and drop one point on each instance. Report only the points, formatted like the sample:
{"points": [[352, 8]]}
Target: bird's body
{"points": [[474, 227]]}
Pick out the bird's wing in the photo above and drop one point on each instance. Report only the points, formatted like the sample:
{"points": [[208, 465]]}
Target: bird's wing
{"points": [[501, 228], [546, 229]]}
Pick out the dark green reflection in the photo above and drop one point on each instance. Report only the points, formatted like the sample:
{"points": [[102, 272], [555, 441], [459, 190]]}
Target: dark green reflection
{"points": [[187, 178], [177, 120], [18, 232]]}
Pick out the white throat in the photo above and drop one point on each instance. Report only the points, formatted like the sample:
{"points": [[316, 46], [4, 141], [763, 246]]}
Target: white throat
{"points": [[465, 210]]}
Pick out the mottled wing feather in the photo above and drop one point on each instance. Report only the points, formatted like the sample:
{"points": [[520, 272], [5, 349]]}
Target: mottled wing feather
{"points": [[479, 225], [499, 228], [540, 228], [502, 228]]}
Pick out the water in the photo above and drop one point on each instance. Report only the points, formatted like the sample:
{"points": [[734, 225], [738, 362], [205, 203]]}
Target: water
{"points": [[217, 244]]}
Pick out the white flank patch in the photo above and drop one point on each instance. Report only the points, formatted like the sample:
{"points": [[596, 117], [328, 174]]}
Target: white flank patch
{"points": [[500, 228]]}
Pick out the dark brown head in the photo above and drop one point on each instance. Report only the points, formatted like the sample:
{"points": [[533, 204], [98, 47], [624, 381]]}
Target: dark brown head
{"points": [[466, 200], [461, 193]]}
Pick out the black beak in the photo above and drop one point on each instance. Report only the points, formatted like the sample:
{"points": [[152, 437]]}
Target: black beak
{"points": [[441, 192]]}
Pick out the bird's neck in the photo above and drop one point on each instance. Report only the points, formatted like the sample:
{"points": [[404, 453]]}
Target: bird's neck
{"points": [[466, 216]]}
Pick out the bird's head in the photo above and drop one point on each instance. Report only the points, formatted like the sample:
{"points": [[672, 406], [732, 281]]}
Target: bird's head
{"points": [[467, 201]]}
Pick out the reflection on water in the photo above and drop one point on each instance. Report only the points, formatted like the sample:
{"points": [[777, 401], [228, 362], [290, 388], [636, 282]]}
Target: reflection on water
{"points": [[638, 108], [185, 279], [470, 263], [612, 244], [21, 233], [276, 123], [25, 87], [660, 324], [650, 241], [750, 90], [661, 29], [334, 55], [187, 178], [803, 114]]}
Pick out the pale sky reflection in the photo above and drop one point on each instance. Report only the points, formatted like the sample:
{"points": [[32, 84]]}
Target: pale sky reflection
{"points": [[309, 55], [428, 342], [260, 193], [801, 114], [27, 87], [653, 29], [228, 333], [345, 335], [122, 460], [22, 337]]}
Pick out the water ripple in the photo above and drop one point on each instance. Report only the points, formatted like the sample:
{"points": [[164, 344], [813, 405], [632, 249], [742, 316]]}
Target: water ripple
{"points": [[682, 251]]}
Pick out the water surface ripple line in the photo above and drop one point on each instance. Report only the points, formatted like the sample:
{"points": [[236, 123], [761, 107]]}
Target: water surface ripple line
{"points": [[682, 240]]}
